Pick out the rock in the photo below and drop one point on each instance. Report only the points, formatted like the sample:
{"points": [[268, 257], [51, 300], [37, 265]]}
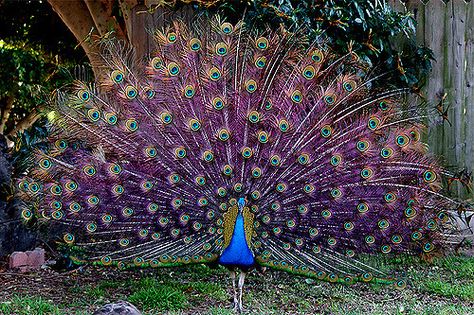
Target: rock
{"points": [[119, 308], [35, 258], [18, 260], [27, 261]]}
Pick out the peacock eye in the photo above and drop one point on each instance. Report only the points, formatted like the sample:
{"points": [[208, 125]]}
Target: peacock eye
{"points": [[195, 44], [296, 96], [262, 43]]}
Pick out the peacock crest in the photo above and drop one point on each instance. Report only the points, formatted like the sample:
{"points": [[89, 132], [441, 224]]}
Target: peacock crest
{"points": [[231, 141]]}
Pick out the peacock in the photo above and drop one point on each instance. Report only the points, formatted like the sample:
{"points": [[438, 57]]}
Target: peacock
{"points": [[239, 147]]}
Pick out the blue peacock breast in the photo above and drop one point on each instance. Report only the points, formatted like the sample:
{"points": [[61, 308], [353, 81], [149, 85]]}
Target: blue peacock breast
{"points": [[236, 237]]}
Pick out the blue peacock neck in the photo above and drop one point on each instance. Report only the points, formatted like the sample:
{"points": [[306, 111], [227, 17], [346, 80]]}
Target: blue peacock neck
{"points": [[238, 222]]}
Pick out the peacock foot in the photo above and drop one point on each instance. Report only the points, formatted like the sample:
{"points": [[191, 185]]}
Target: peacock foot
{"points": [[237, 308]]}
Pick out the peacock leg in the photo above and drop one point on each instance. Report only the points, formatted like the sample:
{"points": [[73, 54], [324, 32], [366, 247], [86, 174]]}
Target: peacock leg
{"points": [[234, 287], [240, 308]]}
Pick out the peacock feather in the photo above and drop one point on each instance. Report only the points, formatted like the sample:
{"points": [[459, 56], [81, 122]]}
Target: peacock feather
{"points": [[241, 148]]}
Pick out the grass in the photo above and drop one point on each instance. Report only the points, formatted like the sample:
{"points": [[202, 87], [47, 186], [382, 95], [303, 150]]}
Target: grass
{"points": [[444, 286], [21, 305]]}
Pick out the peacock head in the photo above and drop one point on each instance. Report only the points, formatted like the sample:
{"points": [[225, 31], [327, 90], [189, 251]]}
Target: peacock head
{"points": [[241, 203]]}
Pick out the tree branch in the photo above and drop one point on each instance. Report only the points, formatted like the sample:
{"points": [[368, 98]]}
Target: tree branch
{"points": [[101, 13], [6, 111], [26, 122], [75, 14]]}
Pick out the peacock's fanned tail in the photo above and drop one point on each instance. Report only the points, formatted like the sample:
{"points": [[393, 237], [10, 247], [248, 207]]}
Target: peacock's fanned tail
{"points": [[145, 166]]}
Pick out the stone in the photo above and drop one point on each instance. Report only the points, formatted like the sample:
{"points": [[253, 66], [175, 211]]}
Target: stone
{"points": [[118, 308], [18, 260], [36, 258]]}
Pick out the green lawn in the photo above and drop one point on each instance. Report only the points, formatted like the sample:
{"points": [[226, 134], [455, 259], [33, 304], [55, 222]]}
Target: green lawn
{"points": [[445, 286]]}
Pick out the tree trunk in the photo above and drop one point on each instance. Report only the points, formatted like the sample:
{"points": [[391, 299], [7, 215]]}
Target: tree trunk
{"points": [[6, 111]]}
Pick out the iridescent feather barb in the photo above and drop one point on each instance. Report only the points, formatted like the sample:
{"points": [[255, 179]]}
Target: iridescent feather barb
{"points": [[243, 149]]}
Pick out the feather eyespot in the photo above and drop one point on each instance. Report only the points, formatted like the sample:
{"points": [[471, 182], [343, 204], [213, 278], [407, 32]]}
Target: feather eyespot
{"points": [[260, 62], [115, 169], [283, 125], [221, 49], [131, 92], [222, 192], [56, 190], [89, 170], [254, 117], [194, 124], [429, 176], [173, 69], [329, 99], [309, 72], [385, 249], [214, 74], [111, 118], [247, 153], [68, 238], [131, 125], [223, 134], [373, 123], [251, 86], [60, 144], [238, 187], [180, 152], [296, 96], [396, 239], [281, 187], [172, 37], [386, 152], [127, 212], [308, 188], [336, 160], [218, 103], [256, 172], [84, 95], [255, 195], [384, 106], [208, 156], [71, 185], [363, 145], [149, 93], [117, 76], [349, 86], [117, 190], [93, 114], [174, 178], [152, 207], [195, 44], [91, 227], [326, 131], [200, 180], [275, 160], [227, 28], [45, 163], [157, 63], [166, 118], [348, 226], [227, 170], [75, 207], [151, 151], [366, 173], [362, 207], [262, 136], [189, 91], [303, 159], [402, 140], [261, 43], [317, 56]]}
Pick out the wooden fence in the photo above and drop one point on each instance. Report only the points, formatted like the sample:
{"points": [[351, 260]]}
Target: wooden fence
{"points": [[447, 27]]}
